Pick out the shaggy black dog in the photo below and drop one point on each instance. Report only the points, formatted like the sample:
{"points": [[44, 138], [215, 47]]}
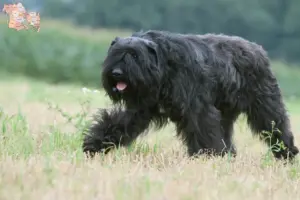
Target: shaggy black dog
{"points": [[199, 82]]}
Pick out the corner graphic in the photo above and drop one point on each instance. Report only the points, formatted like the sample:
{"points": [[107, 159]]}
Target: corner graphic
{"points": [[20, 19]]}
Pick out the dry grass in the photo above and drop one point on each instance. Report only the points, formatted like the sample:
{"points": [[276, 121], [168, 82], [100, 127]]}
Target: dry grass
{"points": [[41, 158]]}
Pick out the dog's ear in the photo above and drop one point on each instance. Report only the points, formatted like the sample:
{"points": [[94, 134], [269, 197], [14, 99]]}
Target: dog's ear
{"points": [[153, 49], [152, 46], [114, 41]]}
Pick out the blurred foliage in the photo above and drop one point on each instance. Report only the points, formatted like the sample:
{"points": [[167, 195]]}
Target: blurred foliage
{"points": [[271, 23], [58, 53], [61, 53]]}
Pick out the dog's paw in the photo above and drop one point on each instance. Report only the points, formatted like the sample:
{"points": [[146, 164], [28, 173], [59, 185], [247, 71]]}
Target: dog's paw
{"points": [[93, 145], [287, 154]]}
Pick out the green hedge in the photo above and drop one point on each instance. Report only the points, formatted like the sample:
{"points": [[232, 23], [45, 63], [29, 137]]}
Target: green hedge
{"points": [[271, 23], [60, 53], [289, 78], [56, 53]]}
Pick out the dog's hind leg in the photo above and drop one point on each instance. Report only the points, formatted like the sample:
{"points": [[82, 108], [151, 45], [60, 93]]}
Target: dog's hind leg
{"points": [[202, 132], [115, 128]]}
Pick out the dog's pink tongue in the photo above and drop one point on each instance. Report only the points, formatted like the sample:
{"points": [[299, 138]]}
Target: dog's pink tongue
{"points": [[121, 86]]}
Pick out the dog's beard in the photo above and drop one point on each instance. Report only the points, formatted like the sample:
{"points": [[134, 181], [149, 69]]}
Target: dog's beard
{"points": [[119, 88], [119, 85], [114, 85], [132, 85]]}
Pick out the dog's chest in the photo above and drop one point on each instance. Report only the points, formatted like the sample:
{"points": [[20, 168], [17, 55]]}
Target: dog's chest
{"points": [[173, 113]]}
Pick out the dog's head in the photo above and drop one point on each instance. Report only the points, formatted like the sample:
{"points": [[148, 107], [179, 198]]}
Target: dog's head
{"points": [[131, 70]]}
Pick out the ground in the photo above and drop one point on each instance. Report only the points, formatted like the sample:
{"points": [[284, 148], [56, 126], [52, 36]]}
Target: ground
{"points": [[41, 158]]}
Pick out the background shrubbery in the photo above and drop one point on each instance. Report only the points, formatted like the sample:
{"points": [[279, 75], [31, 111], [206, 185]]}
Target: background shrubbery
{"points": [[61, 52], [272, 23], [57, 53]]}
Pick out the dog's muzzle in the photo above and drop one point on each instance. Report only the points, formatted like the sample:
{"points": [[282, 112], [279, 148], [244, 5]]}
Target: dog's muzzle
{"points": [[120, 85]]}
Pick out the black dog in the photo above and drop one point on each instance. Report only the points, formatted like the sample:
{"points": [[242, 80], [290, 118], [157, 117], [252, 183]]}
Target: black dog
{"points": [[199, 82]]}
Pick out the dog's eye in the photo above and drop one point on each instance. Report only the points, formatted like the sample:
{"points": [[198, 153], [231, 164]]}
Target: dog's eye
{"points": [[133, 55]]}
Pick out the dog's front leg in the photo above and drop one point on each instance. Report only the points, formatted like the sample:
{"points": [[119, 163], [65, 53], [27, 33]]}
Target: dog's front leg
{"points": [[202, 132], [115, 128]]}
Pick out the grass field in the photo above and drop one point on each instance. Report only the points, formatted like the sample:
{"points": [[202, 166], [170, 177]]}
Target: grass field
{"points": [[41, 158]]}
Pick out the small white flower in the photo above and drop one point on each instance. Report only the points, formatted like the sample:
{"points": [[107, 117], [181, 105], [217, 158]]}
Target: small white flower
{"points": [[85, 90]]}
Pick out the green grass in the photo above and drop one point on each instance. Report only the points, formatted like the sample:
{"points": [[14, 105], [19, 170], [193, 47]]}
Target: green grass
{"points": [[41, 157]]}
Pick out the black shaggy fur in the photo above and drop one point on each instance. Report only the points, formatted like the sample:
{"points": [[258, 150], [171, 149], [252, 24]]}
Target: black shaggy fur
{"points": [[199, 82]]}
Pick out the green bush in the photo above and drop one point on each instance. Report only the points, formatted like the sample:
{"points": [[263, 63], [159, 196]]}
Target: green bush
{"points": [[63, 53], [289, 78], [55, 54]]}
